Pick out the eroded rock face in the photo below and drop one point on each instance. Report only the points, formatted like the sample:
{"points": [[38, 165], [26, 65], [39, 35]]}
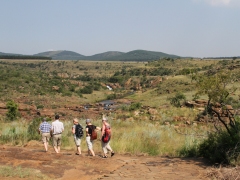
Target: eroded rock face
{"points": [[26, 107], [3, 106]]}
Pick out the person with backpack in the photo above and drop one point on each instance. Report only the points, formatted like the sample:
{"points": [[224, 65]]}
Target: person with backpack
{"points": [[77, 131], [91, 135], [106, 136]]}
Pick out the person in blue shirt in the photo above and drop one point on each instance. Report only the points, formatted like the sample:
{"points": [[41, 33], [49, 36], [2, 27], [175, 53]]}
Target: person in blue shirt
{"points": [[45, 129]]}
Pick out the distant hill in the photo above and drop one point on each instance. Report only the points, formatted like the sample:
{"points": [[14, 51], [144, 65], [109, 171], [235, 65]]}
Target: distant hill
{"points": [[106, 55], [9, 54], [141, 55], [137, 55], [62, 55]]}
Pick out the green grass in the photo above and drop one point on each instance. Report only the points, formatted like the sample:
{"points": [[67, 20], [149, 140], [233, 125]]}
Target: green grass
{"points": [[135, 137], [19, 172]]}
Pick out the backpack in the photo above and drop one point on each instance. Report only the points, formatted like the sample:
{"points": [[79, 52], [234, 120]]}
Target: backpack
{"points": [[107, 134], [94, 134], [78, 131]]}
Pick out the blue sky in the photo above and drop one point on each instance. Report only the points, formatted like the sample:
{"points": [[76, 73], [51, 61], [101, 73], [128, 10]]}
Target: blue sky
{"points": [[199, 28]]}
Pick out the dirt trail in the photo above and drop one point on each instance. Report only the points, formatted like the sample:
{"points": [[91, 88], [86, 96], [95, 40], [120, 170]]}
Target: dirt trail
{"points": [[67, 165]]}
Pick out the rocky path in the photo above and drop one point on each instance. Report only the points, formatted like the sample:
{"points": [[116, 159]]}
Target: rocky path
{"points": [[69, 166]]}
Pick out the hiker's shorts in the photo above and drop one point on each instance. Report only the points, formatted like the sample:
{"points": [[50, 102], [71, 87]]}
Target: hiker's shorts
{"points": [[45, 137], [106, 147], [89, 142], [77, 141], [57, 139]]}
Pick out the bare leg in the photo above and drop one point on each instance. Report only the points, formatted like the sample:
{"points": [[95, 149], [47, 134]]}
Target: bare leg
{"points": [[93, 154], [79, 150], [56, 149], [46, 146]]}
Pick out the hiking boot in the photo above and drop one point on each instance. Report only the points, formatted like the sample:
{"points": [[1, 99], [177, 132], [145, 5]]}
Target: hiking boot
{"points": [[112, 154], [104, 157]]}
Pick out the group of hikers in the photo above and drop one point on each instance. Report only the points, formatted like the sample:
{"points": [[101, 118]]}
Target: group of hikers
{"points": [[56, 129]]}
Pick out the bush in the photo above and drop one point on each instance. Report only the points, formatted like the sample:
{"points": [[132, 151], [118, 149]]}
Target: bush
{"points": [[135, 106], [12, 110], [33, 127], [112, 96], [177, 99], [219, 147], [86, 90]]}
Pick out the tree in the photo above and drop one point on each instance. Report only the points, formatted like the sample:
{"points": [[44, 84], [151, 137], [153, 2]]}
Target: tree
{"points": [[218, 87], [223, 145]]}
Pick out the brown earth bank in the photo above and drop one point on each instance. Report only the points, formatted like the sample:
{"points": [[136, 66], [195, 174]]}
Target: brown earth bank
{"points": [[67, 165]]}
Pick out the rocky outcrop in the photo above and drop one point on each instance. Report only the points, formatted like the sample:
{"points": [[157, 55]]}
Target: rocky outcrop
{"points": [[196, 103], [63, 75]]}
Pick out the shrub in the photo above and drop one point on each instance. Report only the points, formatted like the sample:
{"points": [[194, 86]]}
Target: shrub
{"points": [[218, 147], [33, 127], [112, 96], [135, 106], [177, 99], [86, 90], [12, 110]]}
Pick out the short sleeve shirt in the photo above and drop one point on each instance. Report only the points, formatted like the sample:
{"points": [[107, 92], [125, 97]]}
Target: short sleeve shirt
{"points": [[45, 127], [90, 128], [57, 127]]}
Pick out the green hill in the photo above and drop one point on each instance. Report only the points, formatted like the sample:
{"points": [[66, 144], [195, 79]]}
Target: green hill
{"points": [[137, 55], [106, 55], [62, 55], [141, 55]]}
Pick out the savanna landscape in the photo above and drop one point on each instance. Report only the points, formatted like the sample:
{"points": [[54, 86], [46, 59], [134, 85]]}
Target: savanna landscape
{"points": [[172, 117]]}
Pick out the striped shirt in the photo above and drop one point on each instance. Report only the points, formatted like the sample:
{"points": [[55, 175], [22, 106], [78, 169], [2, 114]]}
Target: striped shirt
{"points": [[45, 127]]}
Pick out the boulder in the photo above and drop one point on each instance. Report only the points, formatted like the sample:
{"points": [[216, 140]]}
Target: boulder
{"points": [[152, 111]]}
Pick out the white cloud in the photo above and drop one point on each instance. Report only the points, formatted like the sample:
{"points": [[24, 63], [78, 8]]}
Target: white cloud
{"points": [[228, 3], [218, 2]]}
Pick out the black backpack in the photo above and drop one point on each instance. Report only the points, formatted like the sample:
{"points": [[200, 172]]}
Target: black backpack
{"points": [[78, 131]]}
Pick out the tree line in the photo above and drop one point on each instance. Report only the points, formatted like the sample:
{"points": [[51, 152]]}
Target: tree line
{"points": [[24, 57]]}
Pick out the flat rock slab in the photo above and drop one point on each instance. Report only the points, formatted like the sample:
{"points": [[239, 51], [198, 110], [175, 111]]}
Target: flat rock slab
{"points": [[67, 165]]}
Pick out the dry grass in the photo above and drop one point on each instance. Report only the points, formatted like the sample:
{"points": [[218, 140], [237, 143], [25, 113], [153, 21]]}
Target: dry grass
{"points": [[228, 173]]}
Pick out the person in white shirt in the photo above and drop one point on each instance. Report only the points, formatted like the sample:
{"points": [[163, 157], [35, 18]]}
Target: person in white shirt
{"points": [[57, 129]]}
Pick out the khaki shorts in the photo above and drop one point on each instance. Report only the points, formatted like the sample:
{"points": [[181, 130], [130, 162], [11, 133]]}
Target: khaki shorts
{"points": [[89, 142], [77, 141], [45, 137], [57, 139]]}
